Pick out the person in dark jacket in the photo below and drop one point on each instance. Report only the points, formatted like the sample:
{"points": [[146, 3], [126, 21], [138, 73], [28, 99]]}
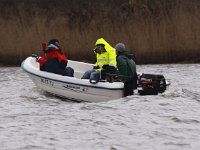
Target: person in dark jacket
{"points": [[126, 69], [54, 60]]}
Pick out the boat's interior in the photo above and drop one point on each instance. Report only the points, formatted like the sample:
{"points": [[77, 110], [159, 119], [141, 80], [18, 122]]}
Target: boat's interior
{"points": [[79, 68]]}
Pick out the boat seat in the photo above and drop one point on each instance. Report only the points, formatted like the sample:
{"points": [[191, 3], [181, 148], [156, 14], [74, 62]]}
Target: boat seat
{"points": [[78, 74]]}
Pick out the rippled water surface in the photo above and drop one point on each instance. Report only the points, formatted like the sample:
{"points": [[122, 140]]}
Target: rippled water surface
{"points": [[33, 120]]}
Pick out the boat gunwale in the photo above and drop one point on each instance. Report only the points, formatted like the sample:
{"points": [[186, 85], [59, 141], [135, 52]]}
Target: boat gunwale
{"points": [[67, 82]]}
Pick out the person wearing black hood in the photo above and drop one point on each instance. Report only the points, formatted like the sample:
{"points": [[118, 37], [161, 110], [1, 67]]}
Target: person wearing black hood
{"points": [[126, 69], [54, 60]]}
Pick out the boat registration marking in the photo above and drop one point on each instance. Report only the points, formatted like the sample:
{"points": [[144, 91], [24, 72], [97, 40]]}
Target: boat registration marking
{"points": [[47, 81]]}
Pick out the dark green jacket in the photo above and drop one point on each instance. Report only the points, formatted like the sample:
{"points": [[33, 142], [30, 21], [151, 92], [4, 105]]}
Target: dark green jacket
{"points": [[126, 66]]}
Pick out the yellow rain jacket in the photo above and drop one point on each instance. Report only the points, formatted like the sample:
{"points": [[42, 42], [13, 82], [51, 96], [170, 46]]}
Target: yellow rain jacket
{"points": [[106, 58]]}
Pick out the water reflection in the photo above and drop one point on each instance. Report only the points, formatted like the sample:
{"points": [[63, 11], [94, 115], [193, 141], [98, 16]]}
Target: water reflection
{"points": [[33, 119]]}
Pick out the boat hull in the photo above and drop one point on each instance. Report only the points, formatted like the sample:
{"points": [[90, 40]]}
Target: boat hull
{"points": [[72, 88]]}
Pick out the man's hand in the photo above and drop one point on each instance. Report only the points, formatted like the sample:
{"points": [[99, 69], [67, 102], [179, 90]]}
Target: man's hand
{"points": [[96, 67]]}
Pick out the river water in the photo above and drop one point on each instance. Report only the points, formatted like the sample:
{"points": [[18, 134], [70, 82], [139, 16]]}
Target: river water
{"points": [[33, 120]]}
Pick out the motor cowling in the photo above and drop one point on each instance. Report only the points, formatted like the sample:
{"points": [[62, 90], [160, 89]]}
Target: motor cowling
{"points": [[151, 84]]}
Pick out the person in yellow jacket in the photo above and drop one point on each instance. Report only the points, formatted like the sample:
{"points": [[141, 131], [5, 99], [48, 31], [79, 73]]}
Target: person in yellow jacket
{"points": [[105, 62]]}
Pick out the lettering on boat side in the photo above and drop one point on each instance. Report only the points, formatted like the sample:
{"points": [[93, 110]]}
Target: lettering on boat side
{"points": [[75, 88], [72, 86], [46, 81]]}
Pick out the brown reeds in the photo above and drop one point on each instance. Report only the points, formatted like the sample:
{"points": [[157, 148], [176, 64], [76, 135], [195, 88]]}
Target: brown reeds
{"points": [[157, 31]]}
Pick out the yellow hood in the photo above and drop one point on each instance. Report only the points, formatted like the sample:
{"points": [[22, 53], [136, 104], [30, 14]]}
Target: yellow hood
{"points": [[108, 47]]}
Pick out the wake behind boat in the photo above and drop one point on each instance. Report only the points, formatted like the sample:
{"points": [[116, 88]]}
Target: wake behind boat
{"points": [[77, 89]]}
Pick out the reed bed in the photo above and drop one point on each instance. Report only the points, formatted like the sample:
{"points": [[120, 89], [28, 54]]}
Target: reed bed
{"points": [[156, 31]]}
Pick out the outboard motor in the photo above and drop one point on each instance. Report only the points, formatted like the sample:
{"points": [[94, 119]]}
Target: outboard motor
{"points": [[151, 84]]}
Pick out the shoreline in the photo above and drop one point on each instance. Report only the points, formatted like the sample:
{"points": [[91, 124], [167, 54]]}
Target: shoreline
{"points": [[195, 61]]}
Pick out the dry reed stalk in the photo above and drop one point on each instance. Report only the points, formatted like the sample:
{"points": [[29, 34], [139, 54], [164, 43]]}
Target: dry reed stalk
{"points": [[156, 31]]}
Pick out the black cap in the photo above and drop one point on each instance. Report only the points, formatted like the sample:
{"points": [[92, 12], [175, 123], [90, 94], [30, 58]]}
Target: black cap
{"points": [[54, 42]]}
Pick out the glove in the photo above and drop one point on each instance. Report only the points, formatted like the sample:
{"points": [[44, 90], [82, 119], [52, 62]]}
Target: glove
{"points": [[96, 67]]}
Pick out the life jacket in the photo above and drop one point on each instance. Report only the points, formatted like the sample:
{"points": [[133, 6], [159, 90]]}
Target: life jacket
{"points": [[52, 52]]}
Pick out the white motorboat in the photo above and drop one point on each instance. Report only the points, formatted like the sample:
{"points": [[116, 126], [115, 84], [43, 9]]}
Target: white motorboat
{"points": [[77, 89], [72, 88]]}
